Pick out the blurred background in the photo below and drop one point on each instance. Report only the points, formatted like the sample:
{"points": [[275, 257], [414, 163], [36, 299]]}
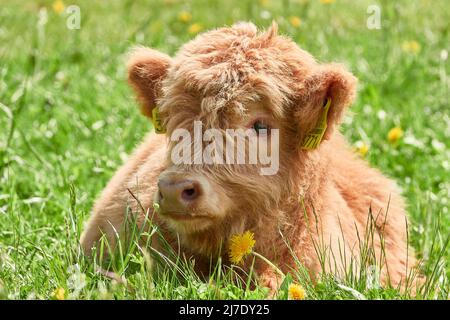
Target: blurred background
{"points": [[68, 118]]}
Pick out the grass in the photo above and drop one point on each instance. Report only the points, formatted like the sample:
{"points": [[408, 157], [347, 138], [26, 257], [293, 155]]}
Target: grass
{"points": [[68, 119]]}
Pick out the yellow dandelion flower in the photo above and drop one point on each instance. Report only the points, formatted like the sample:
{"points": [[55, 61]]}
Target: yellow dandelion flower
{"points": [[58, 6], [195, 28], [295, 21], [264, 3], [395, 134], [240, 246], [296, 292], [361, 148], [59, 293], [327, 1], [184, 16], [411, 47]]}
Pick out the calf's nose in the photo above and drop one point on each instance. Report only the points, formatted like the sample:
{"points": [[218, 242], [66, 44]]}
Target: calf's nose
{"points": [[177, 194]]}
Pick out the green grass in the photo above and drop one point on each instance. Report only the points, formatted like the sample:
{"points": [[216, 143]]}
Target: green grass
{"points": [[68, 119]]}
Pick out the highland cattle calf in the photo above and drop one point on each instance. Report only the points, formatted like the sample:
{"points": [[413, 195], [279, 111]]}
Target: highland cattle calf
{"points": [[236, 93]]}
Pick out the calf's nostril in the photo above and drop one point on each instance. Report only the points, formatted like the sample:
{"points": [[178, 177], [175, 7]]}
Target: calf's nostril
{"points": [[189, 194]]}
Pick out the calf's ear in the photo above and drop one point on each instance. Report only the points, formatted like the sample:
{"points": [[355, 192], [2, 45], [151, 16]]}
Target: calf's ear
{"points": [[330, 83], [146, 70]]}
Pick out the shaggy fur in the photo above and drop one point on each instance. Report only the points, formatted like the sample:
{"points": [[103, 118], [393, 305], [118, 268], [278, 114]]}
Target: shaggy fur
{"points": [[227, 78]]}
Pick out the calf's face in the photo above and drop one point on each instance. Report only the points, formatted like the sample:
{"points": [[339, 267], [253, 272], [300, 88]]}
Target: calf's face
{"points": [[236, 106]]}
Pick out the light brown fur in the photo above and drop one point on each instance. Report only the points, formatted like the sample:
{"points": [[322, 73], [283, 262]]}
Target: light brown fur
{"points": [[224, 78]]}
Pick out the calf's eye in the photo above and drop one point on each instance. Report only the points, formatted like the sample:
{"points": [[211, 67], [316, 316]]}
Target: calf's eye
{"points": [[260, 127]]}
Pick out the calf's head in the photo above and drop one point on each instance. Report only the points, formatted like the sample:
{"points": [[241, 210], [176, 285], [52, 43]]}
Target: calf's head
{"points": [[237, 106]]}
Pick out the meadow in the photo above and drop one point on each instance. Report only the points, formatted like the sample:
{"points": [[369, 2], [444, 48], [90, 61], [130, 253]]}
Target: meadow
{"points": [[68, 120]]}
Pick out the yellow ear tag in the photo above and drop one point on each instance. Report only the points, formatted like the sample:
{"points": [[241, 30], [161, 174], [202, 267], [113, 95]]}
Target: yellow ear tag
{"points": [[313, 139], [156, 120]]}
